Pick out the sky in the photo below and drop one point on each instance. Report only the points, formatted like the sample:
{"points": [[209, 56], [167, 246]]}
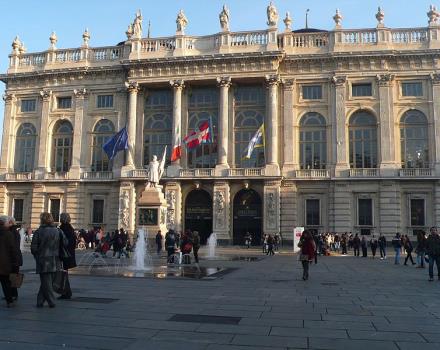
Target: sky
{"points": [[107, 20]]}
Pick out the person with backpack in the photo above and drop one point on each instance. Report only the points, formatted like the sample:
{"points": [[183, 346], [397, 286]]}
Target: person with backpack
{"points": [[308, 252], [408, 249], [433, 250], [397, 245]]}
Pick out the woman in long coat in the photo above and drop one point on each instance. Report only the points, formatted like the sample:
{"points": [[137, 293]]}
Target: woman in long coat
{"points": [[69, 262]]}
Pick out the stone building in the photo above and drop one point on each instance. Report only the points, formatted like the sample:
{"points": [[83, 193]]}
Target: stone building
{"points": [[351, 116]]}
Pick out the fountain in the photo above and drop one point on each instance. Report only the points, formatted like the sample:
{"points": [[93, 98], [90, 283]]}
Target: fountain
{"points": [[141, 254], [212, 245]]}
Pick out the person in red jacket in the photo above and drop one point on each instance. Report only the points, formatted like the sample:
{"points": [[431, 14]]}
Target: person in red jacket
{"points": [[308, 251]]}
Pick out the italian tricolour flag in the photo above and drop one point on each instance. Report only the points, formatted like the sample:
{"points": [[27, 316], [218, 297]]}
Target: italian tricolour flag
{"points": [[177, 147]]}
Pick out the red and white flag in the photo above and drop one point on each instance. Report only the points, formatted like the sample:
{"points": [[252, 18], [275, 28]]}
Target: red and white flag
{"points": [[176, 153], [198, 137]]}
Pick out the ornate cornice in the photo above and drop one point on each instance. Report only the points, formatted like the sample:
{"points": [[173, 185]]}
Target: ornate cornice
{"points": [[272, 79], [132, 86], [8, 97], [384, 79], [288, 84], [45, 94], [435, 78], [177, 84], [224, 82], [339, 80], [81, 93]]}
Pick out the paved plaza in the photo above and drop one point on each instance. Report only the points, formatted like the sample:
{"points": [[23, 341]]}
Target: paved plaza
{"points": [[348, 303]]}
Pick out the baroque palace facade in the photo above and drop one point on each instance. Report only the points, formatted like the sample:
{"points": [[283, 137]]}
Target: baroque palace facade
{"points": [[352, 127]]}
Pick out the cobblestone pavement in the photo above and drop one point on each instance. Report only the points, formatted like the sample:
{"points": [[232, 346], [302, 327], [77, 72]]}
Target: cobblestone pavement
{"points": [[348, 303]]}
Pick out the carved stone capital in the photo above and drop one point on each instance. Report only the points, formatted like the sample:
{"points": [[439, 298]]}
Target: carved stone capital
{"points": [[81, 93], [384, 79], [224, 82], [45, 94], [177, 84], [435, 78], [8, 97], [339, 80], [272, 80], [288, 84], [132, 86]]}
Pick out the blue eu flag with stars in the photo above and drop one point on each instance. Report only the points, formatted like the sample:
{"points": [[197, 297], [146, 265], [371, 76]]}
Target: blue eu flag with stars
{"points": [[118, 142]]}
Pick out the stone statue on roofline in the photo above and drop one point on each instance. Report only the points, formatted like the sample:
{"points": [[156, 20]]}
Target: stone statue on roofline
{"points": [[137, 25], [181, 22], [224, 19], [272, 15]]}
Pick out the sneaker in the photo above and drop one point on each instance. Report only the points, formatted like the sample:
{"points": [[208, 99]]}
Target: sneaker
{"points": [[381, 258]]}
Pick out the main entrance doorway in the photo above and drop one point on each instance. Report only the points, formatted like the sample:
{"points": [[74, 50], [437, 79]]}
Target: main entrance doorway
{"points": [[198, 213], [247, 216]]}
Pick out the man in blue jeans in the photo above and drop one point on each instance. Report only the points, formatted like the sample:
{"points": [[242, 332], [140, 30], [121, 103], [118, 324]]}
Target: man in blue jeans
{"points": [[433, 250], [397, 245]]}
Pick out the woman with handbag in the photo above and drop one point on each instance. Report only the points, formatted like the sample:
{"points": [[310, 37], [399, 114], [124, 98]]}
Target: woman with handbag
{"points": [[69, 261], [308, 250]]}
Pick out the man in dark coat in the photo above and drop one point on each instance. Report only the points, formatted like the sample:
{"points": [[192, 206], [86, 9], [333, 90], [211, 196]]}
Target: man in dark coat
{"points": [[9, 258], [159, 239], [45, 248], [70, 261], [14, 228]]}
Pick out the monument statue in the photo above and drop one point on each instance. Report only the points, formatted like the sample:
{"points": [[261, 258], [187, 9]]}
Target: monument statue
{"points": [[153, 175], [272, 15], [224, 19], [181, 21], [137, 25]]}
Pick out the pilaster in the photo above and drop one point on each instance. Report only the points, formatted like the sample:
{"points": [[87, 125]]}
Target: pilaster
{"points": [[177, 86], [289, 134], [435, 81], [133, 89], [271, 126], [127, 207], [272, 207], [173, 196], [221, 211], [223, 126], [288, 209], [43, 154], [79, 134], [6, 161]]}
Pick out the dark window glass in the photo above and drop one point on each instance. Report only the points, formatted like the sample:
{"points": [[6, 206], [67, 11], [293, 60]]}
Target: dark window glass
{"points": [[98, 211], [25, 148], [313, 142], [417, 212], [64, 102], [55, 204], [105, 101], [363, 140], [414, 149], [365, 212], [358, 90], [28, 105], [103, 131], [412, 89], [63, 145], [312, 212], [17, 210], [312, 92]]}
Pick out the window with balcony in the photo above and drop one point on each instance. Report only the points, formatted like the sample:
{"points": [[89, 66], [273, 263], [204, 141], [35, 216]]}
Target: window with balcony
{"points": [[29, 105], [313, 212], [62, 146], [104, 101], [312, 92], [203, 106], [158, 125], [414, 149], [64, 102], [25, 148], [414, 89], [55, 208], [363, 140], [365, 212], [102, 132], [17, 209], [313, 141], [98, 211], [250, 108], [417, 212], [361, 90]]}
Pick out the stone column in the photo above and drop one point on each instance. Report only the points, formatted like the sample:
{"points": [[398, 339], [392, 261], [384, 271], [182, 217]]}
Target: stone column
{"points": [[79, 152], [435, 80], [221, 212], [173, 195], [272, 207], [289, 135], [339, 133], [178, 86], [133, 89], [223, 124], [6, 161], [45, 139], [271, 126], [388, 144]]}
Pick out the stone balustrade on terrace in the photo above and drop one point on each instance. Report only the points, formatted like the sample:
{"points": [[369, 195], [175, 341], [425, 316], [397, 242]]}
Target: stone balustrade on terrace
{"points": [[292, 43]]}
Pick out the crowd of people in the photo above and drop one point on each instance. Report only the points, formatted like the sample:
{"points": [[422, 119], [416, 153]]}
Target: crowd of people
{"points": [[176, 243]]}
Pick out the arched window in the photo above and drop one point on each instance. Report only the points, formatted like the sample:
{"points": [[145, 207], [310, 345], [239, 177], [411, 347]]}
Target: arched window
{"points": [[414, 140], [313, 142], [25, 148], [158, 125], [250, 107], [62, 146], [363, 140], [102, 132], [203, 106]]}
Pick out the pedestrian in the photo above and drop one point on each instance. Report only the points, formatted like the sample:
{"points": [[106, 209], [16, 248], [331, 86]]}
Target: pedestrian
{"points": [[397, 245], [421, 249], [308, 252], [344, 244], [9, 258], [248, 240], [270, 244], [45, 248], [159, 239], [14, 228], [364, 246], [70, 261], [170, 242], [196, 245], [408, 249], [373, 246], [382, 246], [356, 244], [433, 251], [264, 243]]}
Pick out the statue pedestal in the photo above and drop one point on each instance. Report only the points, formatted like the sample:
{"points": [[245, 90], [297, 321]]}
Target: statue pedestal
{"points": [[151, 211]]}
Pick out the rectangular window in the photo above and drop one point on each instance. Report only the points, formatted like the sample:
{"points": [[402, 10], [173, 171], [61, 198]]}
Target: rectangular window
{"points": [[17, 209], [412, 89], [312, 92], [312, 212], [55, 207], [359, 90], [64, 102], [417, 212], [98, 211], [365, 212], [28, 105], [104, 101]]}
